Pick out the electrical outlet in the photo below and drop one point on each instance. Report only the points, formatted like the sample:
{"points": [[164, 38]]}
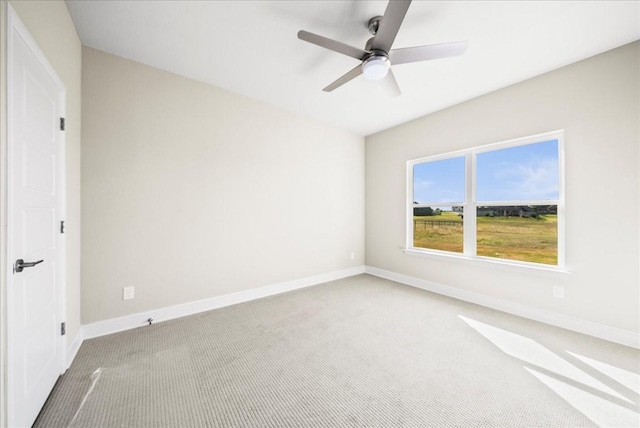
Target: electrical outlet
{"points": [[353, 256], [128, 293], [558, 292]]}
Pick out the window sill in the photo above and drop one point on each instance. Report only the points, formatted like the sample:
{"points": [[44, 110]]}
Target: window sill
{"points": [[523, 267]]}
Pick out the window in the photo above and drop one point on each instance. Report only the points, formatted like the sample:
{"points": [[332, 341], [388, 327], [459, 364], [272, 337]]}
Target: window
{"points": [[437, 186], [498, 202]]}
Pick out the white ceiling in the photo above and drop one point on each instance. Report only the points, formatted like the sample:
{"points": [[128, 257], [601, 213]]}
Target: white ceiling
{"points": [[251, 48]]}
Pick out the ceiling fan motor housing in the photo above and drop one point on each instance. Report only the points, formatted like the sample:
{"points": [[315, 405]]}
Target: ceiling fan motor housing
{"points": [[377, 64]]}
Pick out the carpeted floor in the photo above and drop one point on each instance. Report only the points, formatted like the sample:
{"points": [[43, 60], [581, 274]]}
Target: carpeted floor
{"points": [[361, 351]]}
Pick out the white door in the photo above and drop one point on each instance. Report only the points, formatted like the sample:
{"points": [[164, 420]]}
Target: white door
{"points": [[36, 201]]}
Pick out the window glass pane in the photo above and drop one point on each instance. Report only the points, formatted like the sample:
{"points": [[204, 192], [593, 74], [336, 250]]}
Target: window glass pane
{"points": [[521, 173], [524, 233], [437, 228], [439, 181]]}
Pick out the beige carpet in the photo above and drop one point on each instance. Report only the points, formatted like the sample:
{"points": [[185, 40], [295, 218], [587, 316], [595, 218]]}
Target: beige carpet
{"points": [[356, 352]]}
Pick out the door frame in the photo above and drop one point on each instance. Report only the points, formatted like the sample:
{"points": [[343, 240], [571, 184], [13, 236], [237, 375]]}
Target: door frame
{"points": [[14, 24]]}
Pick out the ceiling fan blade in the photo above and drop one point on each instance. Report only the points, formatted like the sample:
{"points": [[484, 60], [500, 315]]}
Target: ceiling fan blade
{"points": [[390, 24], [390, 84], [424, 53], [333, 45], [355, 72]]}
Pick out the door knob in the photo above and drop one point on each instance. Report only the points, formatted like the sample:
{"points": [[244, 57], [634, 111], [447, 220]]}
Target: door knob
{"points": [[21, 264]]}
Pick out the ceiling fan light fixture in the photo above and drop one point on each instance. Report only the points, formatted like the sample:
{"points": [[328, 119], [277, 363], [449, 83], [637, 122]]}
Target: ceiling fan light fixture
{"points": [[376, 67]]}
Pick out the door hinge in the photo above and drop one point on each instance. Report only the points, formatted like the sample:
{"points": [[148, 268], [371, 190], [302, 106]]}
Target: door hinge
{"points": [[63, 329], [62, 226], [62, 123]]}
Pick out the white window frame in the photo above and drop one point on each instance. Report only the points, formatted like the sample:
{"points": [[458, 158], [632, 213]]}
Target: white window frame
{"points": [[470, 205]]}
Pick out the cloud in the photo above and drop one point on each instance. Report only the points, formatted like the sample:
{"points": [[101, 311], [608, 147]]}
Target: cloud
{"points": [[535, 179], [427, 191], [421, 184]]}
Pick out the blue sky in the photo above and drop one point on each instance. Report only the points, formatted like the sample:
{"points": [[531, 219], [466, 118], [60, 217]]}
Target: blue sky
{"points": [[516, 173], [439, 181]]}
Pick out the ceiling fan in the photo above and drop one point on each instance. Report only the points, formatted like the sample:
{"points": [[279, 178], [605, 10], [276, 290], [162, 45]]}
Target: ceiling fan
{"points": [[377, 56]]}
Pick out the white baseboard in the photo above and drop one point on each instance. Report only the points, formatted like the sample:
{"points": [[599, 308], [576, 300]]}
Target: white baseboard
{"points": [[73, 348], [612, 334], [128, 322]]}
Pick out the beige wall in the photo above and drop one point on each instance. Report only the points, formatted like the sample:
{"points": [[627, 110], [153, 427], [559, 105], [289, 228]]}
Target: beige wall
{"points": [[596, 102], [50, 25], [190, 191], [3, 213]]}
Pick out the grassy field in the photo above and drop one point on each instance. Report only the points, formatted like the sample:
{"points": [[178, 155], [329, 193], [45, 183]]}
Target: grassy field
{"points": [[439, 233], [513, 238]]}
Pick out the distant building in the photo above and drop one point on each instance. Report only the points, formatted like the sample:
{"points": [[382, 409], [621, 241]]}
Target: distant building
{"points": [[512, 210], [423, 211]]}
